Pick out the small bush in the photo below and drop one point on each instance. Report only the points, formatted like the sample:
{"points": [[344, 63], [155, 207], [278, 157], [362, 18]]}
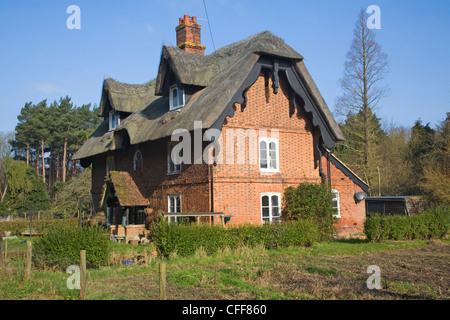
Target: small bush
{"points": [[60, 246], [433, 223], [312, 202], [187, 239]]}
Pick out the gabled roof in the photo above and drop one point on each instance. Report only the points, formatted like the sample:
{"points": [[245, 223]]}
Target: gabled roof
{"points": [[220, 77]]}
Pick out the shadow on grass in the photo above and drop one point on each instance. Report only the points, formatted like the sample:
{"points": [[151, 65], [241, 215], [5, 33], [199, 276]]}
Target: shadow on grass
{"points": [[351, 241]]}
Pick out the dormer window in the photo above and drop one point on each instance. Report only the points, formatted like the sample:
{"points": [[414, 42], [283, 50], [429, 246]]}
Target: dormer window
{"points": [[114, 119], [176, 97]]}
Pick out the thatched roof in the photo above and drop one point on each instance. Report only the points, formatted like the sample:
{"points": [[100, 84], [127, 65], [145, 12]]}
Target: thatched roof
{"points": [[218, 77], [126, 97], [127, 192], [100, 141]]}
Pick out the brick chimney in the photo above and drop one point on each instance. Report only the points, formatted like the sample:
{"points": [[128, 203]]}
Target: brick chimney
{"points": [[188, 35]]}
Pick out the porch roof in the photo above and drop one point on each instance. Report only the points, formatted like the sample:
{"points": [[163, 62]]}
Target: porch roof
{"points": [[126, 190]]}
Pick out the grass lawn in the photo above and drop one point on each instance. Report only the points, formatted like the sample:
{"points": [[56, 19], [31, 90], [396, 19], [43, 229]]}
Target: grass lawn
{"points": [[330, 270]]}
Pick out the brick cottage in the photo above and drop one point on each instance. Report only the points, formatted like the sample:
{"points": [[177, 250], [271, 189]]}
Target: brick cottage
{"points": [[251, 105]]}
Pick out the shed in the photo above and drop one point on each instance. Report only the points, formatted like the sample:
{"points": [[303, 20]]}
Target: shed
{"points": [[394, 205]]}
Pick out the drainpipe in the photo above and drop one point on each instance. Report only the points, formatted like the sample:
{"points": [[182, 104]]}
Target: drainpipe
{"points": [[211, 186], [329, 170], [321, 173]]}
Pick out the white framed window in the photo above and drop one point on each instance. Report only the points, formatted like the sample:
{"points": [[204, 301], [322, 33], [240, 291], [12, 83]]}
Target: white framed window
{"points": [[138, 160], [176, 97], [172, 167], [114, 119], [269, 155], [336, 204], [270, 207], [110, 164], [174, 205]]}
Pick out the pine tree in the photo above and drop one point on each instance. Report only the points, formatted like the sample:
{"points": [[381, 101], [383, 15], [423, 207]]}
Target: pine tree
{"points": [[25, 137]]}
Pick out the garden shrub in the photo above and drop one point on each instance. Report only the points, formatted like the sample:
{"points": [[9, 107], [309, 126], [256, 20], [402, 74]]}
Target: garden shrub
{"points": [[60, 246], [187, 239], [300, 233], [433, 223], [310, 201]]}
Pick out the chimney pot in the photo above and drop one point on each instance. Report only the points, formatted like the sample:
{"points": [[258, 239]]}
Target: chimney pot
{"points": [[194, 19]]}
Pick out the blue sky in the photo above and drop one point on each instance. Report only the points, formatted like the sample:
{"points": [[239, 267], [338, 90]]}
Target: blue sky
{"points": [[40, 58]]}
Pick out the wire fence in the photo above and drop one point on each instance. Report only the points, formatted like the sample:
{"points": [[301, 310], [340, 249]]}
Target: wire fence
{"points": [[37, 215], [45, 215]]}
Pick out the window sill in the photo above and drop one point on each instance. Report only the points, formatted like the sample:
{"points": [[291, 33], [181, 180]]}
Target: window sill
{"points": [[178, 108], [269, 171], [173, 173]]}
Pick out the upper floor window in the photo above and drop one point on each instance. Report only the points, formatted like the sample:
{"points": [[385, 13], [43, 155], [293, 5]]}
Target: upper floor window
{"points": [[138, 161], [173, 160], [268, 154], [110, 164], [176, 97], [336, 204], [114, 119], [270, 207]]}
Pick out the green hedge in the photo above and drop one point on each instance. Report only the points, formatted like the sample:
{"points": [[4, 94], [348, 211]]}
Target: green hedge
{"points": [[60, 246], [186, 239], [431, 224], [18, 226], [311, 201]]}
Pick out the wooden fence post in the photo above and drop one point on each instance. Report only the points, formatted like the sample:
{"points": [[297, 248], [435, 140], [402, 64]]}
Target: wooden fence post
{"points": [[162, 281], [83, 286], [28, 263]]}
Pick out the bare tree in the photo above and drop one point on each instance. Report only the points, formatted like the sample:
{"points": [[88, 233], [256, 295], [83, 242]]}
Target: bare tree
{"points": [[365, 66]]}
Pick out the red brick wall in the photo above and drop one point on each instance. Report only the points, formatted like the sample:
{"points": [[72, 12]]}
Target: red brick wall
{"points": [[238, 187], [352, 214]]}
